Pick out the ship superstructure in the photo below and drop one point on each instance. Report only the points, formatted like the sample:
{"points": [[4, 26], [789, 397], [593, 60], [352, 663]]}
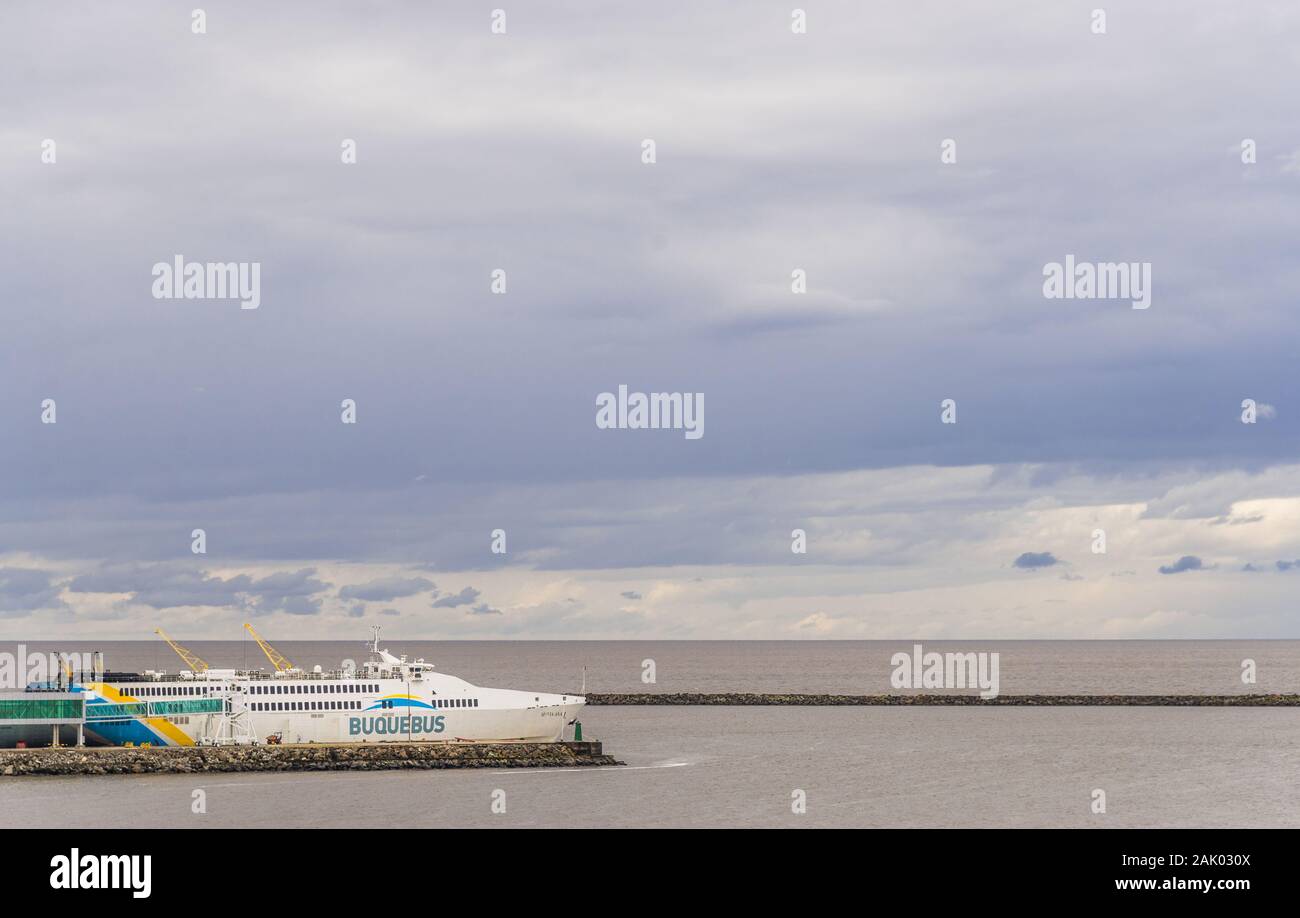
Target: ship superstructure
{"points": [[386, 699]]}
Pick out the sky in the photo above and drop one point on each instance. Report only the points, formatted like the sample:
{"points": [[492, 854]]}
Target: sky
{"points": [[775, 151]]}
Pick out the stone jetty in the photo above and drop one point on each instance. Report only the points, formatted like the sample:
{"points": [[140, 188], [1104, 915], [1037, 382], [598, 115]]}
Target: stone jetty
{"points": [[939, 699], [139, 760]]}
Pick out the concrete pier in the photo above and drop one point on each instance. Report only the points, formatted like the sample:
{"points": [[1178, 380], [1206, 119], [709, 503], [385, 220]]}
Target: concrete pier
{"points": [[120, 760], [932, 698]]}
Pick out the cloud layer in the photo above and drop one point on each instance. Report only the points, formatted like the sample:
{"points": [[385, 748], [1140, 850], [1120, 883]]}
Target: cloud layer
{"points": [[475, 411]]}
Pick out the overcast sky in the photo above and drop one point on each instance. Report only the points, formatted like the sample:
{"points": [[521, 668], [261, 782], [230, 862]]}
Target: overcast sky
{"points": [[775, 151]]}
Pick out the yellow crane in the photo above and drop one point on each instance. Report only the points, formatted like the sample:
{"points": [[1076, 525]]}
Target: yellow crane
{"points": [[192, 660], [278, 660]]}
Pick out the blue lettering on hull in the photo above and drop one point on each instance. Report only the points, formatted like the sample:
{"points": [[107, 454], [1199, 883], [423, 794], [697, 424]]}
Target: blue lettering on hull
{"points": [[407, 725]]}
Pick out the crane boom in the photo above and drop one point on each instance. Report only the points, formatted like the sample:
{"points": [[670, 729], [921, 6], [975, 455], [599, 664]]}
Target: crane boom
{"points": [[192, 660], [278, 660]]}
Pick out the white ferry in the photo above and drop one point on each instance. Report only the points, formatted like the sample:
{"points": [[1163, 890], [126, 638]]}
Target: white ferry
{"points": [[387, 699]]}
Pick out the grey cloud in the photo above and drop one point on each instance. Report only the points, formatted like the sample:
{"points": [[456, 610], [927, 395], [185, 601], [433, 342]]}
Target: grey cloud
{"points": [[484, 609], [165, 421], [293, 592], [386, 589], [168, 586], [1185, 563], [1031, 560], [451, 601], [686, 275], [24, 590], [631, 594], [1236, 520], [1287, 565]]}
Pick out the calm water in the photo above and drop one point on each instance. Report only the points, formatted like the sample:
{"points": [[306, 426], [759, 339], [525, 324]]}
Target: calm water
{"points": [[848, 667], [739, 766]]}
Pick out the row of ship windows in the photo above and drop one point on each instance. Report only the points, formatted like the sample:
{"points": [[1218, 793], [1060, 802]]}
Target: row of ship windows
{"points": [[157, 691], [348, 705], [320, 688], [305, 705]]}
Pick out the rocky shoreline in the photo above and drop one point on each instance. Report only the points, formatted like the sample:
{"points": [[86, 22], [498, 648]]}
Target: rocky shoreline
{"points": [[119, 760], [933, 699]]}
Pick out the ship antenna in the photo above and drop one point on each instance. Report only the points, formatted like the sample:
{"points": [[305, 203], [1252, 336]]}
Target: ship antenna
{"points": [[375, 646]]}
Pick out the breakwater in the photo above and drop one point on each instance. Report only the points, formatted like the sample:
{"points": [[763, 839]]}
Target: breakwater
{"points": [[120, 760], [936, 699]]}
